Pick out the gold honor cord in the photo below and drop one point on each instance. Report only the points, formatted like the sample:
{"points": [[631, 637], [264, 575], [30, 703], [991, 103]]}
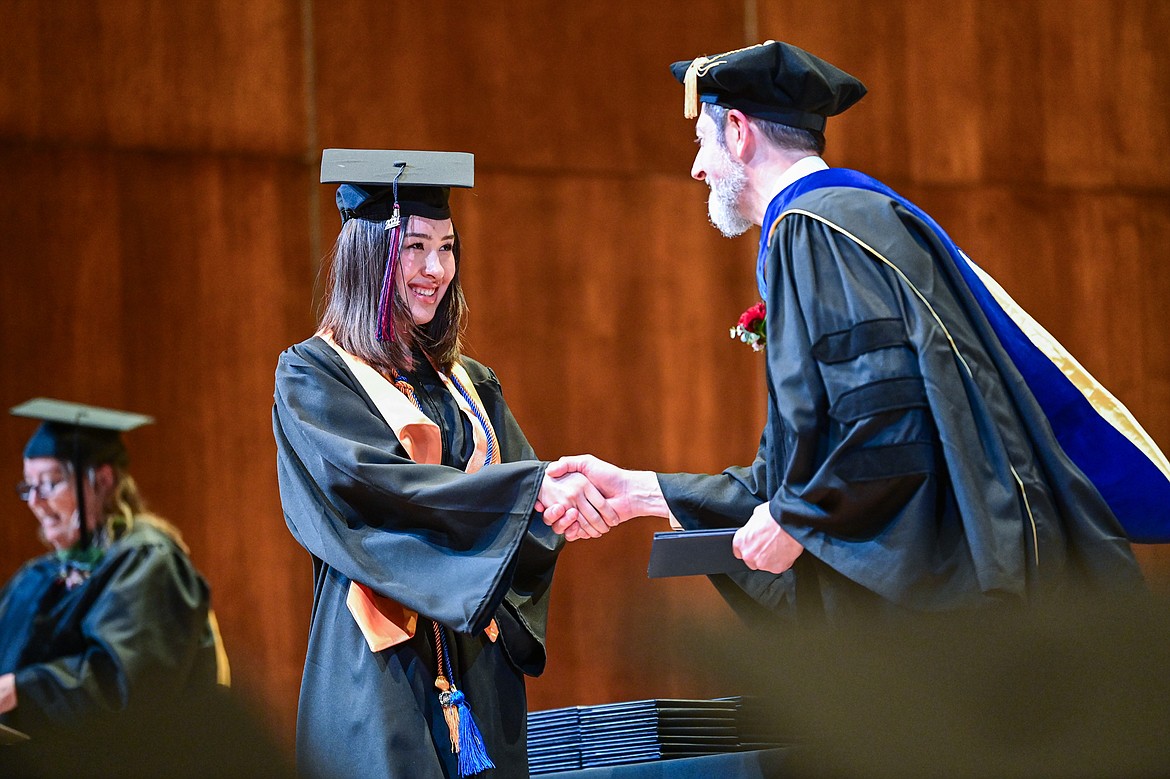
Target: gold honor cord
{"points": [[934, 314]]}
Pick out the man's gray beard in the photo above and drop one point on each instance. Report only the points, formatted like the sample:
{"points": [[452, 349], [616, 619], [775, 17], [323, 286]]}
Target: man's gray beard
{"points": [[723, 202]]}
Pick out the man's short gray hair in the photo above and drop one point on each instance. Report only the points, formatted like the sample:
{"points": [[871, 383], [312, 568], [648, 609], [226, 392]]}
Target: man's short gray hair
{"points": [[782, 136]]}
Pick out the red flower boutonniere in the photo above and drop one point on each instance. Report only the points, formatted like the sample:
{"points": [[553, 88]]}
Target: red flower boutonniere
{"points": [[750, 327]]}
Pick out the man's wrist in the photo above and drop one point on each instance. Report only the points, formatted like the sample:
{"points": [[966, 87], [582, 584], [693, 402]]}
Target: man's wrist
{"points": [[648, 499]]}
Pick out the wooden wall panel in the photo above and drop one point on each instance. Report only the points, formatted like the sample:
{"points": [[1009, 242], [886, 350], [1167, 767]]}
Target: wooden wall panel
{"points": [[194, 74], [1107, 105], [573, 258], [1055, 92], [537, 84]]}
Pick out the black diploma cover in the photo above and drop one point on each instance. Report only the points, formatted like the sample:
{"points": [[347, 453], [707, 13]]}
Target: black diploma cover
{"points": [[693, 553]]}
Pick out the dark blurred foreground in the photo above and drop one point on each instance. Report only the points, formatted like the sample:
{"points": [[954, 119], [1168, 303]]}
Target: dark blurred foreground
{"points": [[1078, 689], [216, 734]]}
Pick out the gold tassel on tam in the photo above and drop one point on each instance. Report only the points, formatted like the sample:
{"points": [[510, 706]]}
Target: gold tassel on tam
{"points": [[691, 87], [698, 68]]}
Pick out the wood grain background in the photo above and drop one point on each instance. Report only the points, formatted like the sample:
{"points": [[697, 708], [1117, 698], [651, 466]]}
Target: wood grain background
{"points": [[161, 231]]}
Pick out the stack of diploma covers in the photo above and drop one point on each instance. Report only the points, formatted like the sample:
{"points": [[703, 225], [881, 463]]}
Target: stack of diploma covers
{"points": [[554, 740], [637, 731]]}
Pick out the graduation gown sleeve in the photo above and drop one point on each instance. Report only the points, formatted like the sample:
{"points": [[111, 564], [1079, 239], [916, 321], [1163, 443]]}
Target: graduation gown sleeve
{"points": [[20, 598], [431, 537]]}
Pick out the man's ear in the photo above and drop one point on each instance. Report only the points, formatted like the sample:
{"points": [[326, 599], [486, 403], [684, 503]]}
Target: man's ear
{"points": [[739, 135]]}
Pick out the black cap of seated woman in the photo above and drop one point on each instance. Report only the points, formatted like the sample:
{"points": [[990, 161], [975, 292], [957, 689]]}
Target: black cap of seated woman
{"points": [[388, 186], [83, 436]]}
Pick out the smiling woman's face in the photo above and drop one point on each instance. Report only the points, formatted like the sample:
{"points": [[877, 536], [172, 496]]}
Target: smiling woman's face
{"points": [[427, 265], [57, 510], [52, 498]]}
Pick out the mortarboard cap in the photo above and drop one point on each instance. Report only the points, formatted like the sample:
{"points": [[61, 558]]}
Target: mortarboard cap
{"points": [[774, 81], [368, 178], [83, 435]]}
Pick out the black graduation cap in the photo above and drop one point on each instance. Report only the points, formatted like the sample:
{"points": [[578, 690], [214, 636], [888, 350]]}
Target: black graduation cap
{"points": [[373, 181], [82, 435], [382, 186], [774, 81]]}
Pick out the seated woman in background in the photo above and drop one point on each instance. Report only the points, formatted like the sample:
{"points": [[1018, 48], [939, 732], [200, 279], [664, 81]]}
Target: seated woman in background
{"points": [[115, 617]]}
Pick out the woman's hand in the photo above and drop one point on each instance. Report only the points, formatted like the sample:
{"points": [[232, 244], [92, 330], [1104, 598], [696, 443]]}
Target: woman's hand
{"points": [[572, 499]]}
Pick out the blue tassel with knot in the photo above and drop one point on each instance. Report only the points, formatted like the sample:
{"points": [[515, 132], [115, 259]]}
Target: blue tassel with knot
{"points": [[473, 756], [466, 740]]}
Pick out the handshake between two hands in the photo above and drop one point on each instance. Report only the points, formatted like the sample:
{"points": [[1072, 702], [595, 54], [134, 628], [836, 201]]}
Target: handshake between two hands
{"points": [[585, 497]]}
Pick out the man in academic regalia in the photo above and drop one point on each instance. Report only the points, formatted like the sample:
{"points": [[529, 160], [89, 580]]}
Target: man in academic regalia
{"points": [[920, 452]]}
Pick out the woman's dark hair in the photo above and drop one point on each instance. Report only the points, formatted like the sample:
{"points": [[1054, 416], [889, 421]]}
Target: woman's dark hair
{"points": [[357, 265]]}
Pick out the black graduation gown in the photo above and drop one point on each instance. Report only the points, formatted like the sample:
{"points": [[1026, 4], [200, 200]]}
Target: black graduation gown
{"points": [[133, 636], [458, 548], [888, 459]]}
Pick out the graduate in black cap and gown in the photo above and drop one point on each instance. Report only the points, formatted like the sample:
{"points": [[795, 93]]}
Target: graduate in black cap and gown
{"points": [[115, 618], [405, 475], [928, 446]]}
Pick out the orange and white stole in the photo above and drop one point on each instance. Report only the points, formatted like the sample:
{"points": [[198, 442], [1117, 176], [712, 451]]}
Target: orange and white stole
{"points": [[385, 622]]}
